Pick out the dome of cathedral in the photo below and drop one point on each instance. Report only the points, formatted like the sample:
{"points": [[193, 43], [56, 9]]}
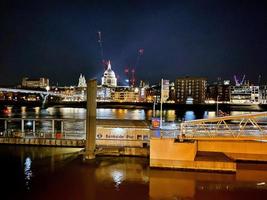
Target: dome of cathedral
{"points": [[109, 77], [109, 73]]}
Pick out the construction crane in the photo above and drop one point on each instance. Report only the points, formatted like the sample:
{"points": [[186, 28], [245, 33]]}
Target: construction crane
{"points": [[100, 42], [237, 82]]}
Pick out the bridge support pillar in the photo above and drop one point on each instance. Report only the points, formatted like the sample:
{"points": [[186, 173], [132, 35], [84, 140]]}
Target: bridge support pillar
{"points": [[22, 128], [90, 120], [53, 128], [33, 127], [6, 126]]}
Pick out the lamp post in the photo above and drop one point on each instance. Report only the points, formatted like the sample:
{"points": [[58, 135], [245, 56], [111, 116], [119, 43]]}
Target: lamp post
{"points": [[217, 106], [161, 99], [154, 106], [47, 88]]}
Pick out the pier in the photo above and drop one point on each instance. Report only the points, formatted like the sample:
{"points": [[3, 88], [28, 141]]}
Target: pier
{"points": [[206, 144], [114, 137], [213, 144]]}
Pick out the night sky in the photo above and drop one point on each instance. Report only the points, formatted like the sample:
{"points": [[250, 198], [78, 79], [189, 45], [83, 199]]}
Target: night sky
{"points": [[179, 38]]}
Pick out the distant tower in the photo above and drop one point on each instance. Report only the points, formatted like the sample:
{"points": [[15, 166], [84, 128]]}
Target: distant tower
{"points": [[126, 72], [132, 81], [259, 80], [82, 81]]}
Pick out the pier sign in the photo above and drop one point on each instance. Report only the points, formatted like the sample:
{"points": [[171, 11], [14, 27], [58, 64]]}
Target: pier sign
{"points": [[155, 122]]}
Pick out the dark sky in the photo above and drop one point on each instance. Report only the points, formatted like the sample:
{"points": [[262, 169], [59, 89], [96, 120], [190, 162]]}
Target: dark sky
{"points": [[198, 38]]}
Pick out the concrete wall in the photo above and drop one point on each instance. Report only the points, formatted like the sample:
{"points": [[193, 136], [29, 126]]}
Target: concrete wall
{"points": [[233, 146], [167, 149], [122, 136], [166, 153], [121, 143]]}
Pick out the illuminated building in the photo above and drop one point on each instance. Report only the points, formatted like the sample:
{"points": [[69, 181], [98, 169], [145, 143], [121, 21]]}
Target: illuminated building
{"points": [[118, 94], [125, 94], [35, 83], [263, 94], [153, 93], [143, 91], [165, 90], [255, 94], [109, 79], [172, 93], [103, 93], [82, 81], [190, 90], [242, 94]]}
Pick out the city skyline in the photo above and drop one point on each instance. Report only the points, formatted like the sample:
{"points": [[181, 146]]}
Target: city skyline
{"points": [[211, 39]]}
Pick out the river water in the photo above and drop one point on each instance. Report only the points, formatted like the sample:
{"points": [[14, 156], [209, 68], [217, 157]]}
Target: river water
{"points": [[59, 173], [107, 113], [75, 129]]}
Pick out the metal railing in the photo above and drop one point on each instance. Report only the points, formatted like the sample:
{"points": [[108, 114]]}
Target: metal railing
{"points": [[239, 126], [43, 128]]}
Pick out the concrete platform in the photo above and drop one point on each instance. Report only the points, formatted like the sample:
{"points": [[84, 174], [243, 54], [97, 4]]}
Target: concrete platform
{"points": [[122, 151], [203, 161], [168, 153]]}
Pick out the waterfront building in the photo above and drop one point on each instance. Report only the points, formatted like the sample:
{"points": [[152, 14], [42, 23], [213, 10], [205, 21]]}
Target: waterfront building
{"points": [[109, 78], [263, 94], [103, 93], [190, 90], [72, 93], [118, 94], [172, 93], [153, 93], [218, 91], [82, 81], [125, 94], [165, 90], [35, 83], [255, 94], [143, 91], [245, 94]]}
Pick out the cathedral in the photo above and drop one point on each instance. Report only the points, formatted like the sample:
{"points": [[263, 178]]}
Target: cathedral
{"points": [[82, 81], [109, 79]]}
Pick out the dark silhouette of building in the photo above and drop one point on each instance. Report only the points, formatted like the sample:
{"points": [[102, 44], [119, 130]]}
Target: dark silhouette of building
{"points": [[220, 90]]}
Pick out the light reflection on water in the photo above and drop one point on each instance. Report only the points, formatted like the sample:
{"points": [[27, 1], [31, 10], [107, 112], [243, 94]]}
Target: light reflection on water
{"points": [[118, 177], [60, 174], [28, 172], [102, 113], [189, 115], [110, 113]]}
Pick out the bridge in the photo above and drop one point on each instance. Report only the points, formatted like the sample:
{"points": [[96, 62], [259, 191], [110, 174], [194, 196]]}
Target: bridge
{"points": [[14, 90], [43, 94], [213, 144]]}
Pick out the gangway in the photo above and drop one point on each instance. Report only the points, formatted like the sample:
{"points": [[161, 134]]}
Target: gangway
{"points": [[234, 127]]}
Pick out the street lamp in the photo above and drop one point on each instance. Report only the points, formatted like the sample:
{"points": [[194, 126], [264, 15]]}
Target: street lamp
{"points": [[47, 88], [154, 106], [161, 99], [217, 106]]}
